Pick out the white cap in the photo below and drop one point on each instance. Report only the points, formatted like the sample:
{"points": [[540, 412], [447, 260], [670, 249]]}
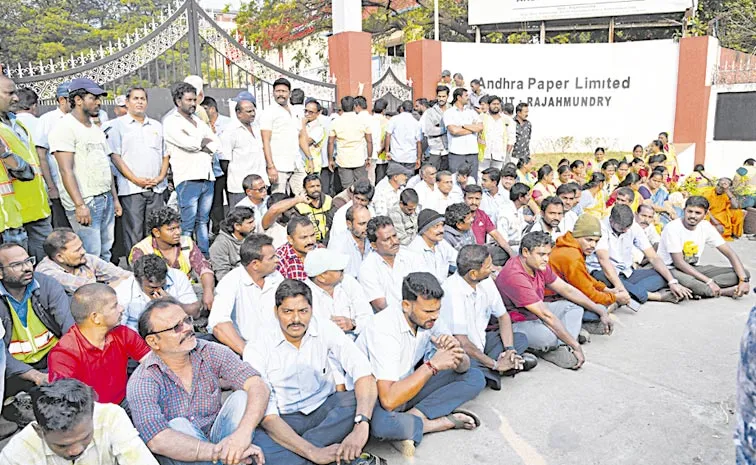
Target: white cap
{"points": [[321, 260], [195, 81], [120, 100]]}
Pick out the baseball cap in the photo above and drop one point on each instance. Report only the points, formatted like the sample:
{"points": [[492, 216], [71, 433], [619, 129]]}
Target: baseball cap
{"points": [[321, 260], [195, 81], [245, 95], [88, 85], [120, 100], [62, 90], [445, 73]]}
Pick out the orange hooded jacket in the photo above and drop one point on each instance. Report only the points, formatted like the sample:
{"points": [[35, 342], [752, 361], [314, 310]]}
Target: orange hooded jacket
{"points": [[568, 262]]}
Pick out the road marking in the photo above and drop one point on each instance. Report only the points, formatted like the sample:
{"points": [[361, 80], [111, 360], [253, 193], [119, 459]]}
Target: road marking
{"points": [[527, 453]]}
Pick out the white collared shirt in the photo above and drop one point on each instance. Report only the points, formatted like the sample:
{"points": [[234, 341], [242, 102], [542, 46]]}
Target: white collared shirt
{"points": [[284, 138], [141, 147], [392, 348], [436, 260], [344, 242], [494, 205], [244, 152], [620, 248], [241, 301], [338, 224], [438, 201], [348, 301], [379, 280], [300, 380], [133, 299], [183, 142], [424, 191], [511, 222], [467, 310]]}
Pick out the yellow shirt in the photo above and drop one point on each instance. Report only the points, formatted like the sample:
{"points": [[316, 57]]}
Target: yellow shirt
{"points": [[349, 130]]}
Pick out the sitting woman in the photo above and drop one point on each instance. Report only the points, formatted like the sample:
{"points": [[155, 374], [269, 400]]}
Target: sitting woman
{"points": [[599, 155], [577, 168], [545, 186], [609, 170], [563, 162], [593, 198], [622, 169], [633, 182], [564, 175], [701, 178], [524, 172], [656, 148], [655, 194]]}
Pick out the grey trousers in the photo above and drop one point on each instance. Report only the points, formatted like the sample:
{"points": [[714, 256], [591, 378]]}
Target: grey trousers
{"points": [[136, 207], [540, 337], [349, 175], [456, 160], [440, 162], [724, 276], [36, 233]]}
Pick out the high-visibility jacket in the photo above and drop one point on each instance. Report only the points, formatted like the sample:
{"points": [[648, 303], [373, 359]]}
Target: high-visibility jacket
{"points": [[30, 343], [32, 195]]}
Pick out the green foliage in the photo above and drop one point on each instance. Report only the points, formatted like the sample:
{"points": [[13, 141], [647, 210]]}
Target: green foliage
{"points": [[519, 38], [732, 21]]}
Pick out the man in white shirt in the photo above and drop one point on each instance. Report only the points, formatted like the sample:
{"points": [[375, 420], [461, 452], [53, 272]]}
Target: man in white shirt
{"points": [[336, 296], [256, 198], [511, 222], [45, 125], [244, 297], [645, 218], [361, 193], [279, 128], [682, 245], [423, 373], [463, 126], [307, 420], [568, 194], [470, 299], [612, 262], [27, 108], [404, 138], [313, 139], [495, 198], [152, 280], [388, 190], [191, 145], [507, 112], [382, 271], [353, 241], [494, 136], [426, 187], [436, 254], [442, 196], [139, 156], [242, 145], [551, 219]]}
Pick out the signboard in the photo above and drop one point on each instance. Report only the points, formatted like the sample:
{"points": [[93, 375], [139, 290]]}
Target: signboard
{"points": [[516, 11], [595, 94]]}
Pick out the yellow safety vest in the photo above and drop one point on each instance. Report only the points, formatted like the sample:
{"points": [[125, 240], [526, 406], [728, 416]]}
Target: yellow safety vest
{"points": [[31, 194], [30, 343], [145, 245], [317, 216]]}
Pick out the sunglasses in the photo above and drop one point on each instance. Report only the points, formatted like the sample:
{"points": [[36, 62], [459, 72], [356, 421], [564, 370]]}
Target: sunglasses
{"points": [[189, 321]]}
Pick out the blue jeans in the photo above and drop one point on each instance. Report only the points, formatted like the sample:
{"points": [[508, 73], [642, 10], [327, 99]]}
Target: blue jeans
{"points": [[225, 423], [494, 347], [328, 424], [99, 235], [639, 284], [195, 199], [439, 397]]}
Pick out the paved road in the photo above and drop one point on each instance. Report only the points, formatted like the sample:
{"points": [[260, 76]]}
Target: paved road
{"points": [[659, 391]]}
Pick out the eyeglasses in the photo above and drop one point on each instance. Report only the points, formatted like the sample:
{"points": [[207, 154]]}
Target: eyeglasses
{"points": [[189, 321], [310, 112], [18, 266]]}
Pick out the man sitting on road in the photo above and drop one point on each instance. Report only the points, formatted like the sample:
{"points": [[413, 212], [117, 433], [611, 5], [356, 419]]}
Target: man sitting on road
{"points": [[551, 219], [645, 218], [482, 226], [246, 295], [71, 427], [383, 270], [300, 234], [552, 328], [178, 251], [175, 394], [423, 373], [68, 263], [612, 262], [435, 253], [682, 245], [458, 221], [387, 191], [361, 195], [512, 219], [353, 241], [307, 420], [224, 251], [97, 349], [404, 216], [336, 296], [154, 280], [470, 299], [256, 198]]}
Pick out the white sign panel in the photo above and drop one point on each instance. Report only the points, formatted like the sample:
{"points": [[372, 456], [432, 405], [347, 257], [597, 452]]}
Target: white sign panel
{"points": [[515, 11], [595, 94]]}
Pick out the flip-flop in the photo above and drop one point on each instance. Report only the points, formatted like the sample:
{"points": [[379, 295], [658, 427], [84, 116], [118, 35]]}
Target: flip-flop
{"points": [[459, 424]]}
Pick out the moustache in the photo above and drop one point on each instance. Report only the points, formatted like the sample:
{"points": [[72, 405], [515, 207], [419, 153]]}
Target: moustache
{"points": [[186, 338], [295, 325]]}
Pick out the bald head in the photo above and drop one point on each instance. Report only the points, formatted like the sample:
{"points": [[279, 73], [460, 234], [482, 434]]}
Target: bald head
{"points": [[89, 299]]}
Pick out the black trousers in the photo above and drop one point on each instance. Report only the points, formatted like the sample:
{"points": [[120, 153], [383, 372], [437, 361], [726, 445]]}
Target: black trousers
{"points": [[216, 211]]}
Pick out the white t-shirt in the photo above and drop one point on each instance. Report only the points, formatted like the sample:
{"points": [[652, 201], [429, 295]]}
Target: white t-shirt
{"points": [[675, 237], [284, 139], [461, 145]]}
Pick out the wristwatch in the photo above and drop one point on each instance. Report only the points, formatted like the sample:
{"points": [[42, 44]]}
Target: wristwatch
{"points": [[747, 279], [361, 418]]}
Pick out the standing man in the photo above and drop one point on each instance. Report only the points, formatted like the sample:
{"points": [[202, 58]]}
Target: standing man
{"points": [[351, 134], [476, 94], [495, 146], [312, 138], [242, 144], [47, 122], [218, 123], [86, 184], [28, 190], [191, 145], [524, 131], [138, 154], [120, 106], [463, 126], [435, 131], [404, 138], [279, 128], [27, 109]]}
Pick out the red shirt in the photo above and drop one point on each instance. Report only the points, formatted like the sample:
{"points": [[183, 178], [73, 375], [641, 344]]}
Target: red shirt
{"points": [[518, 289], [482, 225], [102, 369]]}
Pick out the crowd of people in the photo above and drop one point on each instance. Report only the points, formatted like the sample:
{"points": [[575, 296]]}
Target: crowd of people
{"points": [[289, 283]]}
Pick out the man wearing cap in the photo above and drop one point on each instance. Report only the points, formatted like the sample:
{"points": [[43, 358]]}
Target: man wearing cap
{"points": [[279, 128], [336, 296], [24, 184], [307, 419], [191, 146], [242, 144], [139, 156], [86, 184], [437, 255], [388, 190], [245, 296], [41, 138], [120, 106]]}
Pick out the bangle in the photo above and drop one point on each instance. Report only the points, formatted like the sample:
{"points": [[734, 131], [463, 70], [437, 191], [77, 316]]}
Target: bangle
{"points": [[496, 364], [196, 453], [432, 368]]}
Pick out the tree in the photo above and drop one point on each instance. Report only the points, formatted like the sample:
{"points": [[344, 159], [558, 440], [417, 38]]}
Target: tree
{"points": [[732, 21]]}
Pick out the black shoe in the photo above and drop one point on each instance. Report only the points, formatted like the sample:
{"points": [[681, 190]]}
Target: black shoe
{"points": [[369, 459], [18, 409], [531, 361], [494, 384]]}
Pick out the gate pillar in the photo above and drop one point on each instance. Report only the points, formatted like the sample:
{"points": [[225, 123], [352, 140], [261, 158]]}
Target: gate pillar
{"points": [[424, 67], [350, 62]]}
